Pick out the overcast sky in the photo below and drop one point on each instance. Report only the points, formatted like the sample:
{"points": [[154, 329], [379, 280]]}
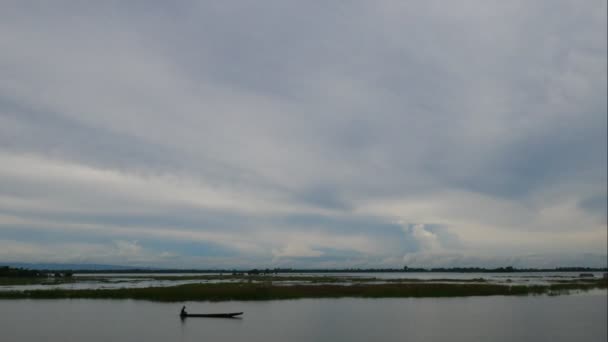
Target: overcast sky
{"points": [[304, 133]]}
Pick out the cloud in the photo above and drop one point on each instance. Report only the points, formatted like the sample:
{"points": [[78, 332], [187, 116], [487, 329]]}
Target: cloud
{"points": [[596, 205], [119, 252], [427, 240], [275, 131], [127, 248], [296, 250]]}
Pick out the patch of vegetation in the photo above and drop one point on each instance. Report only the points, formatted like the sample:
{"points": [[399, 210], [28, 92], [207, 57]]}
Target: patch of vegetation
{"points": [[268, 291], [311, 279], [9, 272], [266, 278], [20, 276], [436, 280]]}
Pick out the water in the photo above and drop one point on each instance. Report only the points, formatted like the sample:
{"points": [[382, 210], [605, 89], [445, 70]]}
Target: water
{"points": [[135, 280], [524, 278], [580, 317], [111, 283]]}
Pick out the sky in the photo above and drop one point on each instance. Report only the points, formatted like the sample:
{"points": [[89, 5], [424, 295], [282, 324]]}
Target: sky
{"points": [[304, 134]]}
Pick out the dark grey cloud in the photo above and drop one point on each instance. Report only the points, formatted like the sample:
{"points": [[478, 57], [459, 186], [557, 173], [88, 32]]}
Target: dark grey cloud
{"points": [[338, 133], [596, 205]]}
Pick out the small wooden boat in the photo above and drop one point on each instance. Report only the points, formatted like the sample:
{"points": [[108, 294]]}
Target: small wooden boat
{"points": [[214, 315]]}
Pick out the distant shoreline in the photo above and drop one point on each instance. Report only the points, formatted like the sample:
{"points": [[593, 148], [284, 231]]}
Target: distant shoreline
{"points": [[82, 269]]}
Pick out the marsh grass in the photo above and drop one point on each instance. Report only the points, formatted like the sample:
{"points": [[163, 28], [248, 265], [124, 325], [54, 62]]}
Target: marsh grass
{"points": [[268, 278], [35, 281], [268, 291]]}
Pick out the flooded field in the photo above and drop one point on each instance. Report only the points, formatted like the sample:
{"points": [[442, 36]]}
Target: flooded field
{"points": [[138, 280]]}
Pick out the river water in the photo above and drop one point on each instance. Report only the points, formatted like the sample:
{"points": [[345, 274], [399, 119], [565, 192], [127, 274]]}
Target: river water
{"points": [[578, 317]]}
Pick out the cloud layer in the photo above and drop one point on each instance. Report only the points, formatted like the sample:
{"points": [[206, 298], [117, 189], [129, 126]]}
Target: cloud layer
{"points": [[304, 134]]}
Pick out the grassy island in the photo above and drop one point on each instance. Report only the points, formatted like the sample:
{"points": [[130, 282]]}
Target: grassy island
{"points": [[269, 291]]}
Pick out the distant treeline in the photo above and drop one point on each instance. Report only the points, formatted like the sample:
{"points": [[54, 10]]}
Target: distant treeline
{"points": [[406, 269], [504, 269], [9, 272]]}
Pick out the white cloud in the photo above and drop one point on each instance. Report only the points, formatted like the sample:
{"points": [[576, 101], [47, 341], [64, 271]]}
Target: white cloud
{"points": [[119, 252], [296, 250], [427, 240]]}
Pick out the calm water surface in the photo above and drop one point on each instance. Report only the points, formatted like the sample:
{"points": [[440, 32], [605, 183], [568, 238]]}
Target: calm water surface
{"points": [[580, 317]]}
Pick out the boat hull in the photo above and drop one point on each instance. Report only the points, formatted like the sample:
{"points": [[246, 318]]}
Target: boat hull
{"points": [[214, 315]]}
